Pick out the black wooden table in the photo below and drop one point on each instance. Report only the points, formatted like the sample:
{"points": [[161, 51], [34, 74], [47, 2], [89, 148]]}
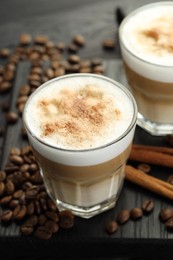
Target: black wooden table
{"points": [[60, 21]]}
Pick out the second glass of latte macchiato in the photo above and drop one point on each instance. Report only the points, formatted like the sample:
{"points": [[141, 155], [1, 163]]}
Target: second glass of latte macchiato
{"points": [[146, 40], [81, 128]]}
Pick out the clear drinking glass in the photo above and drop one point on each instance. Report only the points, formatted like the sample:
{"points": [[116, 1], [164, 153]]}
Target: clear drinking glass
{"points": [[147, 51], [85, 180]]}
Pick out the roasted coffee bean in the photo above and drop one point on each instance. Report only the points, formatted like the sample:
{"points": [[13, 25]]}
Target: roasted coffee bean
{"points": [[96, 62], [165, 214], [169, 223], [8, 75], [31, 193], [136, 213], [72, 48], [30, 208], [52, 225], [15, 151], [2, 188], [33, 167], [25, 39], [43, 203], [12, 117], [24, 167], [170, 179], [26, 229], [98, 69], [5, 86], [66, 219], [147, 206], [109, 44], [14, 203], [5, 200], [144, 167], [9, 188], [43, 233], [74, 59], [24, 90], [79, 40], [54, 216], [3, 176], [5, 52], [42, 219], [123, 216], [49, 73], [6, 215], [26, 150], [19, 212], [111, 227], [32, 220], [59, 72], [18, 194]]}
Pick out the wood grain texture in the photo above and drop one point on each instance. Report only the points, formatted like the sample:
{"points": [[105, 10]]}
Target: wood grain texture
{"points": [[95, 20]]}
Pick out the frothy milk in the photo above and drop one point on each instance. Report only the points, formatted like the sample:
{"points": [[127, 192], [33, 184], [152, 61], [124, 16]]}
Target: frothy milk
{"points": [[147, 34], [81, 128]]}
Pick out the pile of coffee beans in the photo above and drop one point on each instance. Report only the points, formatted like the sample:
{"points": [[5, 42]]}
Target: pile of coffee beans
{"points": [[24, 199]]}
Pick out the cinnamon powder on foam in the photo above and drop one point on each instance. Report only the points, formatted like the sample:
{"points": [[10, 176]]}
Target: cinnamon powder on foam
{"points": [[77, 116]]}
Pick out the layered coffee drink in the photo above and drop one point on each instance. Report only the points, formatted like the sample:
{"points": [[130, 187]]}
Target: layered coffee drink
{"points": [[81, 127], [146, 40]]}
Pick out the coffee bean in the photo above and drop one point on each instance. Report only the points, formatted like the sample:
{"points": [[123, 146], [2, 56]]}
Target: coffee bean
{"points": [[30, 208], [12, 117], [111, 227], [9, 187], [72, 48], [18, 194], [14, 203], [74, 59], [2, 188], [19, 212], [169, 223], [165, 214], [79, 40], [54, 216], [32, 220], [5, 86], [25, 39], [15, 151], [5, 200], [136, 213], [2, 176], [4, 52], [43, 233], [109, 44], [42, 219], [31, 193], [6, 215], [51, 205], [66, 219], [38, 208], [27, 229], [147, 206], [52, 225], [123, 216]]}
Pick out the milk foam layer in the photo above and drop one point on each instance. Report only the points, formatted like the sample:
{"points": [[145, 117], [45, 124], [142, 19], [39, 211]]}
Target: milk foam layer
{"points": [[112, 112], [147, 34]]}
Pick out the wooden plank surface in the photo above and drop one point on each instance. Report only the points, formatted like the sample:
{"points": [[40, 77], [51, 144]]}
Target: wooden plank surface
{"points": [[60, 20]]}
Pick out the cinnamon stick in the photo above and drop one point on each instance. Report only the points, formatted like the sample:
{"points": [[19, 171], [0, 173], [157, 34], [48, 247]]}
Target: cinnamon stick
{"points": [[150, 156], [149, 182], [161, 149]]}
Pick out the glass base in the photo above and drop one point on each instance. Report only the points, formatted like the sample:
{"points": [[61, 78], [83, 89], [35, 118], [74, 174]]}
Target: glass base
{"points": [[88, 212], [153, 128]]}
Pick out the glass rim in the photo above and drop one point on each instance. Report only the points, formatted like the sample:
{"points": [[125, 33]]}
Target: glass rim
{"points": [[147, 6], [105, 78]]}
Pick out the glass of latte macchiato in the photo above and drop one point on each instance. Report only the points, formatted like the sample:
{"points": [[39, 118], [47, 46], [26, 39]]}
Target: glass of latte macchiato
{"points": [[146, 40], [81, 128]]}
